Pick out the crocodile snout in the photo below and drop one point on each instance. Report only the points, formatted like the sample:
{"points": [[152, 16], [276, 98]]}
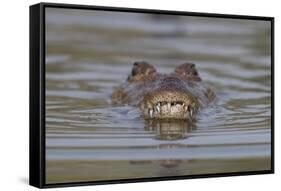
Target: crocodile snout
{"points": [[170, 99], [177, 95]]}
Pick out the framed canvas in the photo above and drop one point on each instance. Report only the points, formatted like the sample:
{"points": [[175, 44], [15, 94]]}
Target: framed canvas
{"points": [[126, 95]]}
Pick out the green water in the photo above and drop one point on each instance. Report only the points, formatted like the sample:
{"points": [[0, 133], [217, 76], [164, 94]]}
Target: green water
{"points": [[88, 53]]}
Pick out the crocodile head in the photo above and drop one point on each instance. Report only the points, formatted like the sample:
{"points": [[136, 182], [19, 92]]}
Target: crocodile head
{"points": [[177, 95]]}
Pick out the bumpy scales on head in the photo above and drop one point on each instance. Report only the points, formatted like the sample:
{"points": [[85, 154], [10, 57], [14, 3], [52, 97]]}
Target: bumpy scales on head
{"points": [[178, 95]]}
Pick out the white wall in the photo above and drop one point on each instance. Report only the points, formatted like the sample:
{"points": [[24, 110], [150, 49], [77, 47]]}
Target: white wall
{"points": [[14, 84]]}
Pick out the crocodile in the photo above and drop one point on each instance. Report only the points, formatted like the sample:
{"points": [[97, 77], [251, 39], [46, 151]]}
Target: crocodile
{"points": [[178, 95]]}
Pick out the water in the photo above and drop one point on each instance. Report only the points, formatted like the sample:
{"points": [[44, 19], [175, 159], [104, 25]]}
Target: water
{"points": [[88, 53]]}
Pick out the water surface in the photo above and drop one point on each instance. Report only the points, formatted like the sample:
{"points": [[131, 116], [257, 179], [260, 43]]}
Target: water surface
{"points": [[88, 53]]}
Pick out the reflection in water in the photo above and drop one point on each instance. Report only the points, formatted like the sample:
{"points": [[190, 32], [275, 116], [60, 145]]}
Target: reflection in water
{"points": [[87, 55], [170, 163], [169, 129], [173, 166]]}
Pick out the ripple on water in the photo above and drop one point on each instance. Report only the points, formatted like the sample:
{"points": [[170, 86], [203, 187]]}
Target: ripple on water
{"points": [[87, 57]]}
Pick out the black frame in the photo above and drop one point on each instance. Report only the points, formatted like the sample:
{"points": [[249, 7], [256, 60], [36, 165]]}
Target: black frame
{"points": [[37, 94]]}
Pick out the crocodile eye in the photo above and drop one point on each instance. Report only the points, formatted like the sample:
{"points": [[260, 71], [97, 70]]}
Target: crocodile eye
{"points": [[189, 71], [140, 70]]}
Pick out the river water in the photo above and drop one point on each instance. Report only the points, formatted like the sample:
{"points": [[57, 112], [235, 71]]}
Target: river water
{"points": [[88, 53]]}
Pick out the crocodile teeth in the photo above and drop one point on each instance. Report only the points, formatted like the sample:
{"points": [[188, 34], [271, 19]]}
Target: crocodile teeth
{"points": [[191, 112], [158, 108], [185, 107], [150, 111], [169, 106]]}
